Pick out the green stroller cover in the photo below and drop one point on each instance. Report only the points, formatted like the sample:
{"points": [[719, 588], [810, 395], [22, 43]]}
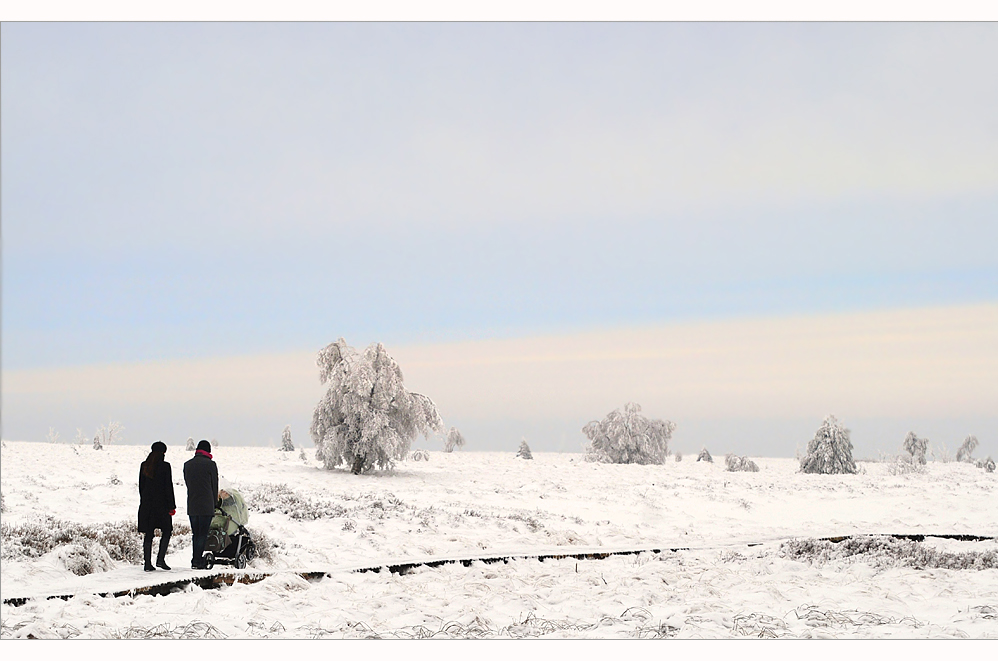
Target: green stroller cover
{"points": [[233, 512]]}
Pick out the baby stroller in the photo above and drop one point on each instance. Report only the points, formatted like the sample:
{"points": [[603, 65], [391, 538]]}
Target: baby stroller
{"points": [[228, 540]]}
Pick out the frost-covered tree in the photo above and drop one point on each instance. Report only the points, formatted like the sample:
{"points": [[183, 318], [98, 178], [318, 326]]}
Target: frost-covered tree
{"points": [[524, 451], [191, 446], [286, 444], [830, 451], [108, 434], [367, 418], [967, 449], [80, 439], [628, 438], [52, 436], [733, 462], [705, 456], [916, 447], [454, 440]]}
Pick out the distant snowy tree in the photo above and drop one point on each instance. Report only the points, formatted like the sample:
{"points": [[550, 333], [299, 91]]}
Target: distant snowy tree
{"points": [[916, 447], [679, 456], [286, 444], [967, 449], [108, 434], [191, 445], [733, 462], [830, 451], [52, 436], [705, 456], [628, 438], [454, 440], [524, 451], [367, 418], [80, 439]]}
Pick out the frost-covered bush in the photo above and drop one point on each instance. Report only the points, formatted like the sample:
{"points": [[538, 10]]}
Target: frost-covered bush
{"points": [[524, 451], [904, 464], [191, 446], [420, 455], [32, 539], [734, 463], [884, 551], [916, 447], [679, 457], [286, 444], [705, 456], [628, 438], [367, 418], [454, 440], [830, 451], [987, 464], [967, 449], [52, 436], [108, 434], [267, 498], [84, 558]]}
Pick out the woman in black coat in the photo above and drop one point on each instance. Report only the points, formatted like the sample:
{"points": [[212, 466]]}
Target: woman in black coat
{"points": [[156, 504]]}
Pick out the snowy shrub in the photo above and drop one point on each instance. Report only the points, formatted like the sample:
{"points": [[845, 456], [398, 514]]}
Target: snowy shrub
{"points": [[705, 456], [679, 457], [916, 447], [967, 449], [268, 498], [987, 464], [884, 552], [191, 445], [84, 558], [303, 456], [286, 444], [80, 439], [628, 438], [120, 541], [454, 440], [108, 434], [367, 418], [830, 451], [734, 463], [903, 465], [52, 436], [524, 451], [420, 455]]}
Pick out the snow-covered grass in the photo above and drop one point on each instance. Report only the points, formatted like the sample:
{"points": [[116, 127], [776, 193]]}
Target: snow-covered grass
{"points": [[464, 504]]}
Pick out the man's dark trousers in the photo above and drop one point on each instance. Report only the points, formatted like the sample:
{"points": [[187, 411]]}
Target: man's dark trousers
{"points": [[199, 531]]}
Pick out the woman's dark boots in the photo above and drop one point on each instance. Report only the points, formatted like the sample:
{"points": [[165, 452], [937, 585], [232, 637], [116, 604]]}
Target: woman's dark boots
{"points": [[164, 541], [147, 552]]}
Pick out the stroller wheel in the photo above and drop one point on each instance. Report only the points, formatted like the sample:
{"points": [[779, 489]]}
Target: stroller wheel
{"points": [[209, 560], [240, 561], [251, 551]]}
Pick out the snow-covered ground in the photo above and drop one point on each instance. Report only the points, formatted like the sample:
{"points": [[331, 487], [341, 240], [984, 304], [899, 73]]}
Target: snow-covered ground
{"points": [[467, 504]]}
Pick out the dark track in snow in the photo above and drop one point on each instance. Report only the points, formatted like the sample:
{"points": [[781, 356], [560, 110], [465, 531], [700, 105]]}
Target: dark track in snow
{"points": [[215, 580]]}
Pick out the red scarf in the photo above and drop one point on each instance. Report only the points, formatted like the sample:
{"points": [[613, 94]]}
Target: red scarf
{"points": [[207, 454]]}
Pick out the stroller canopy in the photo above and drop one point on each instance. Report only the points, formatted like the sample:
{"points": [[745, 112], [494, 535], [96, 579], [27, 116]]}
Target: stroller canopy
{"points": [[234, 506]]}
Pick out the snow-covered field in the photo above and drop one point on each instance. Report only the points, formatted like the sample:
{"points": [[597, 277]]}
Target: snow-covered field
{"points": [[470, 504]]}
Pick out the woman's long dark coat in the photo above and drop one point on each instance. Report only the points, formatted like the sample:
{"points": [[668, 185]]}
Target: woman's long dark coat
{"points": [[156, 499]]}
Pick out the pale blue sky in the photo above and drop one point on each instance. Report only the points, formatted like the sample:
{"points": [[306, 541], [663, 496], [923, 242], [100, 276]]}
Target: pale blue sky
{"points": [[184, 190]]}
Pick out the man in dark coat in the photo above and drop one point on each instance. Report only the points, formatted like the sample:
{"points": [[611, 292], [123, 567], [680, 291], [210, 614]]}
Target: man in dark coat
{"points": [[201, 477], [156, 504]]}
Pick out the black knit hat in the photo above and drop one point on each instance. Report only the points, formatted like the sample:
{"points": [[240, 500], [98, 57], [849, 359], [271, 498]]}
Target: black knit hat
{"points": [[159, 446], [205, 445]]}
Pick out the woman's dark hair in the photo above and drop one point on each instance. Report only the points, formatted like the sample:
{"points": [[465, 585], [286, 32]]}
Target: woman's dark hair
{"points": [[154, 459]]}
